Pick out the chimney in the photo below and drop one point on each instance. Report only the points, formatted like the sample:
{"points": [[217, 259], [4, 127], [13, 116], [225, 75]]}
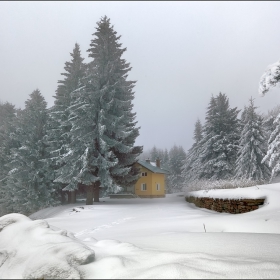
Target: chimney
{"points": [[148, 160], [158, 162]]}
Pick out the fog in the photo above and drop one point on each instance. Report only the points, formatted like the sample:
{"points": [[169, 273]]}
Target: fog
{"points": [[180, 52]]}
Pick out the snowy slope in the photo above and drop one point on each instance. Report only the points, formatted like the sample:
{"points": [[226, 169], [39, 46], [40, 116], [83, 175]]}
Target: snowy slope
{"points": [[149, 238]]}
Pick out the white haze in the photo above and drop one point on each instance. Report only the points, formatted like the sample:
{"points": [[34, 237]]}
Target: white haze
{"points": [[181, 54]]}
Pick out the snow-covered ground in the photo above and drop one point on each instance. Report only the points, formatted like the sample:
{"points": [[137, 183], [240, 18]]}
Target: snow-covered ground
{"points": [[145, 238]]}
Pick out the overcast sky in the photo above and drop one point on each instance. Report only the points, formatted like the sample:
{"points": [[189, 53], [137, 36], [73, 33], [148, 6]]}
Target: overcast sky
{"points": [[180, 52]]}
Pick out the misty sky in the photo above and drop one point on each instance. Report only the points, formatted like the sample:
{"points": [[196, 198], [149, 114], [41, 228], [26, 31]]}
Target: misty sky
{"points": [[180, 52]]}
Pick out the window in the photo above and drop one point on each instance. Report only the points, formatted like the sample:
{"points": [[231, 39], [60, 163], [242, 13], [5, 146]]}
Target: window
{"points": [[158, 186], [143, 187], [144, 174]]}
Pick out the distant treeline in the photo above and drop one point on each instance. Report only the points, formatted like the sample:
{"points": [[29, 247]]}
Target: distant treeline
{"points": [[226, 147]]}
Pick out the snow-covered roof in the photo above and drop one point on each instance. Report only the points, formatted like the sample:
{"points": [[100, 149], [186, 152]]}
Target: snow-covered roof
{"points": [[152, 167]]}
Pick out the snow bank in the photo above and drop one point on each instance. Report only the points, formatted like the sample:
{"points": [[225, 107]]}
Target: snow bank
{"points": [[31, 249], [250, 192], [146, 239]]}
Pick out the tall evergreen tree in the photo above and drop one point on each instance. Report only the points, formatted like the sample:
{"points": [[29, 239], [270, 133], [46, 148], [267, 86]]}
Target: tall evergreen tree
{"points": [[219, 145], [177, 156], [7, 142], [252, 147], [273, 152], [191, 163], [165, 159], [102, 152], [58, 138], [7, 127], [28, 184]]}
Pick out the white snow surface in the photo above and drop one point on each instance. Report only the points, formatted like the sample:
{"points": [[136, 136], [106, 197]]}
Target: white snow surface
{"points": [[146, 239]]}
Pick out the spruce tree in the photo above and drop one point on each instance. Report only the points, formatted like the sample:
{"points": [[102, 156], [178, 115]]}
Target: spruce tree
{"points": [[103, 127], [28, 183], [219, 145], [252, 147], [177, 156], [272, 156], [191, 163], [57, 138], [7, 129], [7, 142]]}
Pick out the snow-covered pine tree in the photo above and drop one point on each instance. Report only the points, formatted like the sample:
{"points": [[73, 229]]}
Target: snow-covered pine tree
{"points": [[177, 156], [7, 127], [165, 159], [102, 152], [270, 79], [154, 153], [57, 137], [7, 130], [28, 184], [191, 164], [269, 118], [252, 147], [273, 151], [219, 145]]}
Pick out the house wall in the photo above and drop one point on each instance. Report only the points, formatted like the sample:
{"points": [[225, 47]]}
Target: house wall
{"points": [[158, 178], [146, 179], [151, 179]]}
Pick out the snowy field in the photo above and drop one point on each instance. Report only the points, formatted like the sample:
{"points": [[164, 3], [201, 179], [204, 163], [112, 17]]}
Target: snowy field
{"points": [[145, 238]]}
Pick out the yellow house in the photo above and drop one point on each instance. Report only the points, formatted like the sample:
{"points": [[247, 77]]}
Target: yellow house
{"points": [[151, 183]]}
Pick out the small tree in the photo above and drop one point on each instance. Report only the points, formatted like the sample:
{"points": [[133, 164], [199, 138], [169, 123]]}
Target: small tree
{"points": [[252, 147], [191, 163]]}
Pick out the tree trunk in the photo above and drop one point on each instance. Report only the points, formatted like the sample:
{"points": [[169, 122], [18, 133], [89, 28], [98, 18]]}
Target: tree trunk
{"points": [[62, 197], [96, 192], [68, 197], [89, 200], [72, 197]]}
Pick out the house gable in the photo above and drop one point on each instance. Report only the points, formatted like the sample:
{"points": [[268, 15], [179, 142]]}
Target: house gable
{"points": [[151, 182]]}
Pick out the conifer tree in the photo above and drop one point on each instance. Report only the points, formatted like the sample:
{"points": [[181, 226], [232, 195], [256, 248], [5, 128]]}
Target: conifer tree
{"points": [[191, 163], [219, 145], [7, 140], [252, 147], [165, 160], [28, 184], [102, 152], [57, 138], [273, 151], [7, 127], [177, 156]]}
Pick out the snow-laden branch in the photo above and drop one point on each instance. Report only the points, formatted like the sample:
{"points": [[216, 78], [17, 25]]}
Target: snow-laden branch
{"points": [[270, 78]]}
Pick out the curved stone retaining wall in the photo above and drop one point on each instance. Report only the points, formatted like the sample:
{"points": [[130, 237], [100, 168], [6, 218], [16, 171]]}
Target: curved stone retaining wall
{"points": [[232, 206]]}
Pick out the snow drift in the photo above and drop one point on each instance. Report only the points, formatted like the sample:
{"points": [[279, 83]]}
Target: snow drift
{"points": [[145, 239], [32, 250]]}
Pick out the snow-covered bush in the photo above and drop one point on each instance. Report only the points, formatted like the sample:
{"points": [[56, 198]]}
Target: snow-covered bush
{"points": [[198, 185]]}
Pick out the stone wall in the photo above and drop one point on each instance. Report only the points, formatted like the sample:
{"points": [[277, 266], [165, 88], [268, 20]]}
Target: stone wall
{"points": [[233, 206]]}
